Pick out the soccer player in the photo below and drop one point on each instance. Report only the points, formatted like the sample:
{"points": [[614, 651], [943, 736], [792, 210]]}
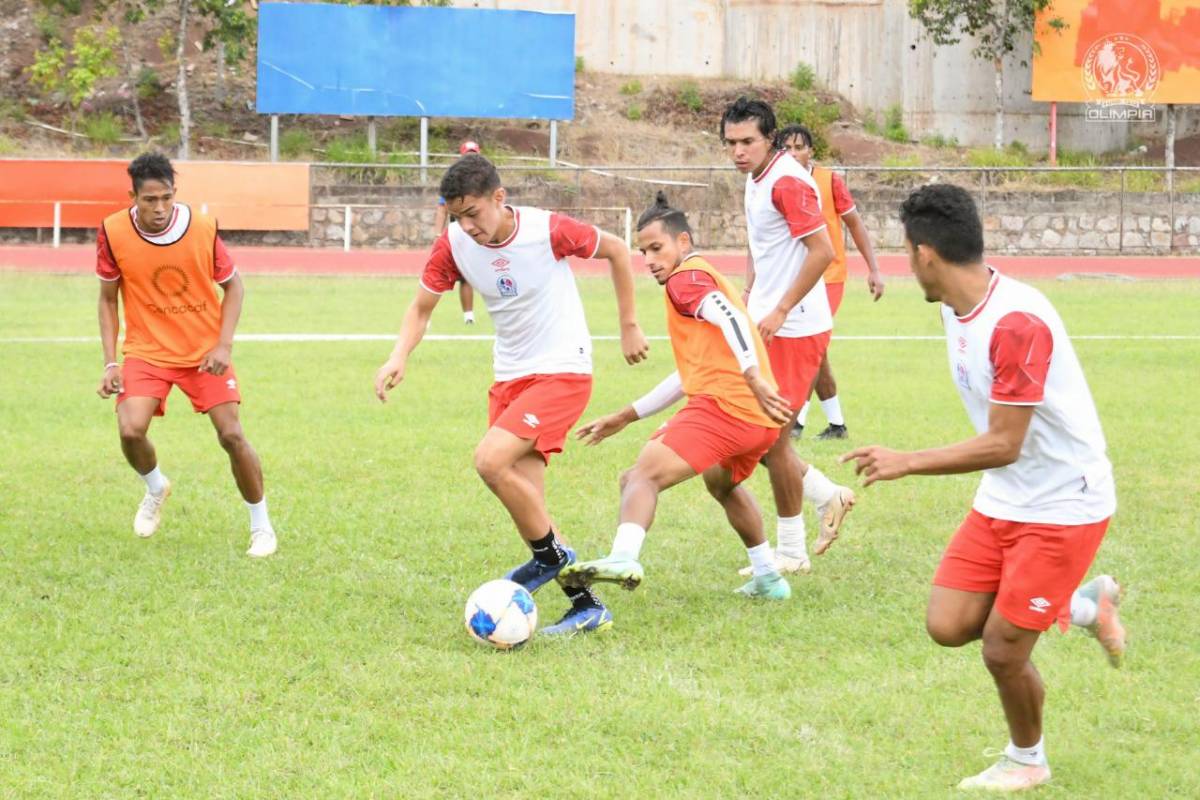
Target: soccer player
{"points": [[466, 297], [516, 259], [732, 417], [838, 209], [789, 250], [1047, 491], [164, 261]]}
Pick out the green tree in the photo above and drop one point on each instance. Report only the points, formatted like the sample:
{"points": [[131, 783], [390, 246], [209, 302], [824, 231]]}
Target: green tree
{"points": [[74, 73], [997, 26]]}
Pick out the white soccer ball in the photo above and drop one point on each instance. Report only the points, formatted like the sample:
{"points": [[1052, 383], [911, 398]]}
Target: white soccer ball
{"points": [[501, 613]]}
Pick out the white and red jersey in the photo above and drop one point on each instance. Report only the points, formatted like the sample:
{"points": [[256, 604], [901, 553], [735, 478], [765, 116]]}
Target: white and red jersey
{"points": [[783, 205], [527, 285], [1013, 349]]}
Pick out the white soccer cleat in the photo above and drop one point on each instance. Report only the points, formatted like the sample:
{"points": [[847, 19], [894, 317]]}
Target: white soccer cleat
{"points": [[149, 513], [833, 514], [1007, 775], [262, 543], [784, 565]]}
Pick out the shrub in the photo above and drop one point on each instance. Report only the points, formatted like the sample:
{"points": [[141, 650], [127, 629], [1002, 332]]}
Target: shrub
{"points": [[803, 77], [295, 143], [631, 88], [689, 97], [103, 128], [893, 129], [634, 111], [813, 113]]}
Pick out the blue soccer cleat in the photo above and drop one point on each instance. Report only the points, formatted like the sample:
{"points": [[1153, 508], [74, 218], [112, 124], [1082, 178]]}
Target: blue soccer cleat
{"points": [[580, 619], [533, 574]]}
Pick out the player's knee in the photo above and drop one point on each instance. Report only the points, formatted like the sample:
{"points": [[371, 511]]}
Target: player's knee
{"points": [[719, 488], [131, 433], [626, 476], [231, 438], [488, 465], [948, 633], [1001, 658]]}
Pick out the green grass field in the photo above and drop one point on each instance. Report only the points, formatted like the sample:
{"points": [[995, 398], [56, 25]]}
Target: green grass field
{"points": [[177, 667]]}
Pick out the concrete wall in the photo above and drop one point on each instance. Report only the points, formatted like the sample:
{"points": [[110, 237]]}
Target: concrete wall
{"points": [[869, 51]]}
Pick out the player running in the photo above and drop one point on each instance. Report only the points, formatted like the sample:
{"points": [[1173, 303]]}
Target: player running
{"points": [[515, 258], [1047, 494], [789, 250], [732, 417], [164, 261], [838, 209]]}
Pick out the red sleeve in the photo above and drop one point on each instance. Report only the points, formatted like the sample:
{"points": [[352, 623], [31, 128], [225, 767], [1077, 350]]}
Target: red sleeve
{"points": [[843, 203], [441, 273], [106, 263], [223, 267], [1020, 352], [686, 289], [570, 237], [798, 204]]}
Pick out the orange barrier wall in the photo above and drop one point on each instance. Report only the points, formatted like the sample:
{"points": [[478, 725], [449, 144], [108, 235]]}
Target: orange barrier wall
{"points": [[241, 195]]}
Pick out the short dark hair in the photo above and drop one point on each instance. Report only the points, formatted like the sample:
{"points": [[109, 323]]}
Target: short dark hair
{"points": [[744, 109], [674, 220], [471, 175], [150, 167], [944, 217], [788, 131]]}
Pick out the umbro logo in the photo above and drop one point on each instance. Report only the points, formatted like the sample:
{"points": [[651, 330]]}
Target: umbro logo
{"points": [[501, 264], [1039, 604], [531, 420], [231, 383]]}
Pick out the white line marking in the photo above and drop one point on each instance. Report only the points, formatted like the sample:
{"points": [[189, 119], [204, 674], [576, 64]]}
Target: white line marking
{"points": [[463, 337]]}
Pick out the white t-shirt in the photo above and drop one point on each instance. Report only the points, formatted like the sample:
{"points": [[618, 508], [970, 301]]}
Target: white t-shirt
{"points": [[528, 288], [1013, 349], [783, 205]]}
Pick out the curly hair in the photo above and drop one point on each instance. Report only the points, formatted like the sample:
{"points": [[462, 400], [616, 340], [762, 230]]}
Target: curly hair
{"points": [[944, 217], [472, 175], [151, 167]]}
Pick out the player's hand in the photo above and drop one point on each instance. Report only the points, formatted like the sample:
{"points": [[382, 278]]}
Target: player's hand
{"points": [[771, 323], [877, 463], [633, 343], [217, 360], [388, 377], [598, 430], [875, 283], [772, 403], [110, 384]]}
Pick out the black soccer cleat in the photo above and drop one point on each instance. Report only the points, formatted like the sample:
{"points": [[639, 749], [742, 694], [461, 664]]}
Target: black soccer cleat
{"points": [[833, 432]]}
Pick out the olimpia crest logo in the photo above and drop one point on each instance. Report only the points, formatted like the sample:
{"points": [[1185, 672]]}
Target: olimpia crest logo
{"points": [[1121, 68]]}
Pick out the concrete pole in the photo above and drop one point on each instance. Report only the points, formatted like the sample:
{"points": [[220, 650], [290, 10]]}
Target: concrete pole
{"points": [[554, 143], [274, 137], [424, 148], [371, 136]]}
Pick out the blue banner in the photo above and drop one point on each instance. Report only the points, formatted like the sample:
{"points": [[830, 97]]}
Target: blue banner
{"points": [[417, 62]]}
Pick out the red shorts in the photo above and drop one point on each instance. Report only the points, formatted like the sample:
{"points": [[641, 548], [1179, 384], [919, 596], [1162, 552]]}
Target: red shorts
{"points": [[1032, 567], [795, 363], [205, 390], [703, 435], [540, 407], [835, 292]]}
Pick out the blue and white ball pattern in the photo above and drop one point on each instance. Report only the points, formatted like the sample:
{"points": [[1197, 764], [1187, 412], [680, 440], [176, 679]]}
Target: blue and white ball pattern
{"points": [[502, 614]]}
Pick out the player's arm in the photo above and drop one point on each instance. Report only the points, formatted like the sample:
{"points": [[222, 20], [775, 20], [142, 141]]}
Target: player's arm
{"points": [[749, 275], [716, 309], [666, 394], [998, 446], [110, 325], [633, 342], [440, 219], [862, 240], [412, 330], [218, 359]]}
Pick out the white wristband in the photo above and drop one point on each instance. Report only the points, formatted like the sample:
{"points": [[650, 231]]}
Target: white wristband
{"points": [[111, 364]]}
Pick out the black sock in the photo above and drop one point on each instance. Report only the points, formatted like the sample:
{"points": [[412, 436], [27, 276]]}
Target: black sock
{"points": [[582, 598], [547, 550]]}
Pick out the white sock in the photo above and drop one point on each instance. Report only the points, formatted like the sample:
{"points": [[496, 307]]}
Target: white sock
{"points": [[790, 537], [802, 417], [468, 316], [833, 411], [817, 487], [762, 561], [258, 514], [1083, 610], [156, 482], [628, 542], [1030, 756]]}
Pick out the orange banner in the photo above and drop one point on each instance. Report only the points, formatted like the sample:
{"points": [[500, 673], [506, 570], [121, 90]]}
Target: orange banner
{"points": [[241, 195], [1119, 51]]}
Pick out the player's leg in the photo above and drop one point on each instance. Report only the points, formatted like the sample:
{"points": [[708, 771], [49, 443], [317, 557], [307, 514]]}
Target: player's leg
{"points": [[134, 414], [1095, 608], [657, 469], [826, 391], [466, 296], [745, 517], [247, 473]]}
